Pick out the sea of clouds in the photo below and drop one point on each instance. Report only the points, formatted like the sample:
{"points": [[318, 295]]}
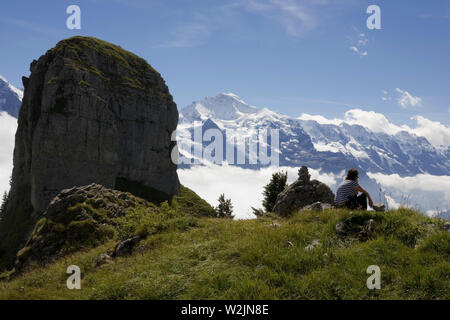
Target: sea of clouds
{"points": [[428, 193], [8, 126], [425, 192], [243, 186]]}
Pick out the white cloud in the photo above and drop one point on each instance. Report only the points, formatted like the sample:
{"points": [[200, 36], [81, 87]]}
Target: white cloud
{"points": [[376, 122], [191, 34], [359, 44], [320, 119], [357, 51], [425, 191], [243, 186], [372, 120], [8, 126], [30, 26], [386, 96], [435, 132], [296, 16], [406, 99]]}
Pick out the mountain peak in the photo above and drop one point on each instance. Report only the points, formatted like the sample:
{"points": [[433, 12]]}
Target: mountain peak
{"points": [[10, 97], [4, 82], [232, 96], [224, 106]]}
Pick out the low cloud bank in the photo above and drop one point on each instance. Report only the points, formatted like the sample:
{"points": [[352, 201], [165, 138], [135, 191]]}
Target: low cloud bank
{"points": [[425, 192], [8, 126], [243, 186]]}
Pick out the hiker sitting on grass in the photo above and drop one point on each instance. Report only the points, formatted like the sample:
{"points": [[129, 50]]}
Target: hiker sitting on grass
{"points": [[347, 193]]}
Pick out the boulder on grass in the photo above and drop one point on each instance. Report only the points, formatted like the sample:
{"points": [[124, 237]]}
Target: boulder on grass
{"points": [[302, 193]]}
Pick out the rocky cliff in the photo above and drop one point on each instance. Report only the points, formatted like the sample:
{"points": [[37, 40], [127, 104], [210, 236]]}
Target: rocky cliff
{"points": [[91, 113]]}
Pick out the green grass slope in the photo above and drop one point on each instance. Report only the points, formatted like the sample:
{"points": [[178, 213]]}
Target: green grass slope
{"points": [[190, 257]]}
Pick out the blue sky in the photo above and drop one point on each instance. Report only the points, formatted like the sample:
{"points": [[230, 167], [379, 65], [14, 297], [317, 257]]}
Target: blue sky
{"points": [[294, 56]]}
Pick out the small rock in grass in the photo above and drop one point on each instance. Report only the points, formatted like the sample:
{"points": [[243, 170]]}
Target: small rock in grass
{"points": [[102, 259], [126, 247], [380, 207], [273, 225], [312, 245], [288, 244]]}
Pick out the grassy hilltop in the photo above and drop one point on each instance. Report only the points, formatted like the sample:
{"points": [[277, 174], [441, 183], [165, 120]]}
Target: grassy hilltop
{"points": [[190, 257]]}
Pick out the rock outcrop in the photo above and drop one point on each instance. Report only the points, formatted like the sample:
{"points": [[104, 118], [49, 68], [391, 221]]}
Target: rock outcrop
{"points": [[302, 193], [77, 218], [88, 216], [91, 113]]}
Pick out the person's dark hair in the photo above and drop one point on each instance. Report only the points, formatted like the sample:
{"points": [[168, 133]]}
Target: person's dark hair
{"points": [[352, 174]]}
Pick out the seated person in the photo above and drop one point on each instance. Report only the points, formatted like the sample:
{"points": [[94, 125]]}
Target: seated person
{"points": [[347, 193]]}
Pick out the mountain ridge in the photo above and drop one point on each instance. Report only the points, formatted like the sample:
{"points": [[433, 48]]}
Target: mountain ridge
{"points": [[403, 152], [10, 97]]}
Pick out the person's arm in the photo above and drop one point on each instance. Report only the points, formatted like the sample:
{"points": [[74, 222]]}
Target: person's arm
{"points": [[360, 189]]}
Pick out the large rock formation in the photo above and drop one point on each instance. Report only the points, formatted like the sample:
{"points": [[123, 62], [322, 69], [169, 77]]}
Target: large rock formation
{"points": [[91, 113], [302, 193]]}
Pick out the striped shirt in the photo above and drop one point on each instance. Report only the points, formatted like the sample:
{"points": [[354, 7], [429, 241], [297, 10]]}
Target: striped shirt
{"points": [[344, 191]]}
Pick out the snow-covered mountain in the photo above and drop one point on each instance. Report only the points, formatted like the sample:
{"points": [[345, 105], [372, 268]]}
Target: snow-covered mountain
{"points": [[402, 153], [10, 97], [332, 148], [225, 106], [322, 145]]}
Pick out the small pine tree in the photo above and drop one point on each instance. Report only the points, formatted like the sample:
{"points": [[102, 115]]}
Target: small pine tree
{"points": [[271, 191], [225, 208], [258, 212], [4, 204]]}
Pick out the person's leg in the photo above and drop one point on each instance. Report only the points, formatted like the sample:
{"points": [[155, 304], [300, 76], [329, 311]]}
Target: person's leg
{"points": [[362, 201], [352, 202]]}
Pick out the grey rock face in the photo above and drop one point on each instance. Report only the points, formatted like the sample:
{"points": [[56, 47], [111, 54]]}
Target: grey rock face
{"points": [[91, 113], [302, 193], [95, 121]]}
